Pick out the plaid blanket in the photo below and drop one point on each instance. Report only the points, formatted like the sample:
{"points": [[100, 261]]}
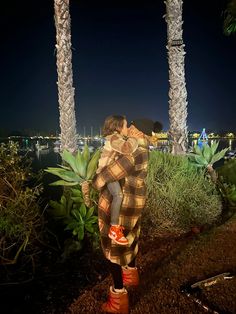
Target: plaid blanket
{"points": [[115, 144], [130, 171]]}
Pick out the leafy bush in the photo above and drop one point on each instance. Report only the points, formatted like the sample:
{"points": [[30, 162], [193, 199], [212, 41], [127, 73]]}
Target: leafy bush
{"points": [[227, 172], [20, 218], [76, 218], [179, 196], [227, 182], [77, 208]]}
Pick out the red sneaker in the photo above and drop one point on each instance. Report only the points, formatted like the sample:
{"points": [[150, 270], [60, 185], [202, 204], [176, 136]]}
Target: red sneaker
{"points": [[116, 234]]}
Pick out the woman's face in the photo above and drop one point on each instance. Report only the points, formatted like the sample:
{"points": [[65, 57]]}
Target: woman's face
{"points": [[124, 130]]}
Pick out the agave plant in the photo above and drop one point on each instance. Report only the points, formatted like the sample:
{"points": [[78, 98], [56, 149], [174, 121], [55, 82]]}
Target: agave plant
{"points": [[206, 156], [62, 209], [82, 220], [78, 168], [75, 217], [74, 214], [69, 200]]}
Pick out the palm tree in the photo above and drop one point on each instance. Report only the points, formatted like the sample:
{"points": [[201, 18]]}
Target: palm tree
{"points": [[178, 134], [230, 18], [65, 76]]}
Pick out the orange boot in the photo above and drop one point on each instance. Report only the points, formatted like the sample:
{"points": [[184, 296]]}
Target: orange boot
{"points": [[118, 302], [130, 276]]}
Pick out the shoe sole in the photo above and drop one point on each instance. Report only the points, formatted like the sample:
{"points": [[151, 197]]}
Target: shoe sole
{"points": [[117, 241]]}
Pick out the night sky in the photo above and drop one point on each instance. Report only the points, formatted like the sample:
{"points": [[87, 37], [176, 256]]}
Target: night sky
{"points": [[119, 64]]}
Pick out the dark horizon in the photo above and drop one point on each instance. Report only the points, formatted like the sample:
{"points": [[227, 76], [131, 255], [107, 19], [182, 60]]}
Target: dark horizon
{"points": [[119, 64]]}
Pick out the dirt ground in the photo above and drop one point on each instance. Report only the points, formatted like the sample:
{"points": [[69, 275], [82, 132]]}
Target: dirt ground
{"points": [[166, 265]]}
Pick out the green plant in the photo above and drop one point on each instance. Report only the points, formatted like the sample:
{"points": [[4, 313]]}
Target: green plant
{"points": [[206, 156], [20, 219], [62, 209], [227, 182], [76, 208], [228, 192], [179, 196], [76, 218], [230, 18], [227, 172], [82, 220], [78, 168]]}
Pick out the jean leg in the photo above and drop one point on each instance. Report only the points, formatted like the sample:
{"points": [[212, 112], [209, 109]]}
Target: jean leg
{"points": [[117, 197]]}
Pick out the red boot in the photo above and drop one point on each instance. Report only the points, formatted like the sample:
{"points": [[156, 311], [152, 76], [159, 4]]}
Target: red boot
{"points": [[130, 276], [118, 302]]}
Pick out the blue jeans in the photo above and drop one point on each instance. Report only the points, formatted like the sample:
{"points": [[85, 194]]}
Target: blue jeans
{"points": [[117, 197]]}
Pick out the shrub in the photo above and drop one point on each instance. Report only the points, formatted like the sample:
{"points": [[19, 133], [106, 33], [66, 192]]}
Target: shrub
{"points": [[78, 221], [77, 209], [227, 172], [179, 196], [227, 182], [20, 211]]}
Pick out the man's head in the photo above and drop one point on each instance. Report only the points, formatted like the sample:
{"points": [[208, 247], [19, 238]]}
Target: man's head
{"points": [[144, 128], [141, 127]]}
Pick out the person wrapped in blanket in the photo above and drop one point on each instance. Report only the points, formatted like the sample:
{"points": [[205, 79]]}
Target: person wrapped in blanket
{"points": [[116, 144], [130, 170]]}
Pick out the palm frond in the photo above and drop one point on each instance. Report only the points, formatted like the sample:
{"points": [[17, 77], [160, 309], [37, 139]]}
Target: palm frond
{"points": [[229, 25]]}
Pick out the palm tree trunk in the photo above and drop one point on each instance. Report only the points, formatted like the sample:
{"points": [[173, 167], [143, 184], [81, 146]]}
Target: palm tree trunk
{"points": [[212, 173], [65, 76], [177, 93]]}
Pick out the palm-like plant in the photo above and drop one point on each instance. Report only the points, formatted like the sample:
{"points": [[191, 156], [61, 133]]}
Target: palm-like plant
{"points": [[177, 91], [206, 156], [65, 76], [74, 215], [230, 18], [77, 170]]}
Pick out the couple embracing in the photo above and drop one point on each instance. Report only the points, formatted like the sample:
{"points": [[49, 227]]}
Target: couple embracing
{"points": [[120, 179]]}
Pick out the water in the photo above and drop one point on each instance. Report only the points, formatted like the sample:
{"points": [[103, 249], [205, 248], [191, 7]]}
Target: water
{"points": [[46, 157], [223, 143], [42, 159]]}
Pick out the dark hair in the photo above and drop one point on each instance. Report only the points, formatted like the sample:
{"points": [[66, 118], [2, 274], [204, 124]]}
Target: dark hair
{"points": [[113, 124], [157, 127]]}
